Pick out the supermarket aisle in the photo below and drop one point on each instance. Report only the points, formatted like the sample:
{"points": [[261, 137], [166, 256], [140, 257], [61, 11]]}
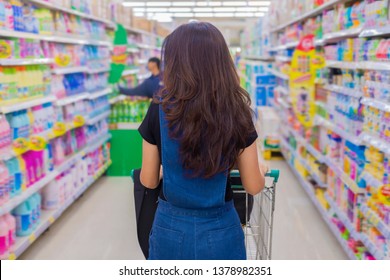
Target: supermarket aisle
{"points": [[101, 225]]}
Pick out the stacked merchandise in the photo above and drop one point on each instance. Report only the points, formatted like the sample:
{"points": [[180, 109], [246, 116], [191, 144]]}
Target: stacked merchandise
{"points": [[255, 41], [54, 111], [128, 111], [343, 160]]}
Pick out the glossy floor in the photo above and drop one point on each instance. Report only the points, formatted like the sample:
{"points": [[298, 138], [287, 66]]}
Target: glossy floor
{"points": [[101, 225]]}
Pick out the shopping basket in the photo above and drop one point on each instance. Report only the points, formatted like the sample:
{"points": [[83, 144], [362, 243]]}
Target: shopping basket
{"points": [[259, 217]]}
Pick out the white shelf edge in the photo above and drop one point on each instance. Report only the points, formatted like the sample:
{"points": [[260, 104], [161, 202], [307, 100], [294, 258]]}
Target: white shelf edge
{"points": [[130, 72], [347, 136], [309, 14], [25, 61], [70, 70], [95, 71], [283, 58], [5, 109], [353, 32], [343, 90], [91, 121], [99, 93], [381, 105], [376, 142], [278, 74], [50, 216], [71, 99], [376, 221], [117, 99], [130, 126], [375, 31]]}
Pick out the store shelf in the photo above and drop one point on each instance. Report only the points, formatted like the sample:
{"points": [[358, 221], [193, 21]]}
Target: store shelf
{"points": [[99, 93], [334, 36], [286, 46], [283, 103], [372, 32], [49, 217], [71, 99], [129, 126], [143, 76], [279, 74], [344, 90], [142, 61], [341, 132], [70, 11], [341, 64], [309, 147], [282, 90], [371, 247], [54, 38], [21, 105], [91, 121], [144, 46], [376, 221], [133, 50], [70, 70], [25, 61], [381, 105], [130, 72], [376, 142], [309, 14], [303, 161], [283, 58], [98, 70], [117, 99], [371, 180], [324, 214], [258, 57]]}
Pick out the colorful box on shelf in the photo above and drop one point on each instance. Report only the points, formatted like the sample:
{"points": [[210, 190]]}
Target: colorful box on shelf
{"points": [[376, 221], [371, 180]]}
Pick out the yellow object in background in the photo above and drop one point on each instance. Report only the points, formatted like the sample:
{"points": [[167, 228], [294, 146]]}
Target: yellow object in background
{"points": [[304, 65]]}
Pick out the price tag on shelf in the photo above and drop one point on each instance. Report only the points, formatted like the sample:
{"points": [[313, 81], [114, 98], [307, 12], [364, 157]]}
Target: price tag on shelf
{"points": [[20, 146], [32, 238], [79, 121], [37, 143], [51, 220], [12, 257], [62, 60], [59, 129]]}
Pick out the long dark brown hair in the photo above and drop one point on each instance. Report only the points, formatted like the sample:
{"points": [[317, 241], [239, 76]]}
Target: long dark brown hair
{"points": [[206, 109]]}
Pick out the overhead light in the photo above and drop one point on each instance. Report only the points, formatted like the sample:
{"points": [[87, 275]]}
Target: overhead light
{"points": [[139, 14], [133, 4], [139, 10], [184, 4], [158, 4], [163, 17], [204, 14], [259, 14], [201, 3], [244, 14], [183, 14], [212, 3], [223, 14], [157, 9], [180, 9], [234, 3], [224, 9], [247, 9], [259, 3], [263, 9], [203, 10]]}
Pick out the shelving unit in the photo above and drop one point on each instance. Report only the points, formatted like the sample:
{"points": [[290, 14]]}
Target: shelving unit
{"points": [[25, 104], [25, 61]]}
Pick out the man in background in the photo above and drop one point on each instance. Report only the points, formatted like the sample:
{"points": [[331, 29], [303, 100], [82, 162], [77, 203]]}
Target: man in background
{"points": [[149, 86]]}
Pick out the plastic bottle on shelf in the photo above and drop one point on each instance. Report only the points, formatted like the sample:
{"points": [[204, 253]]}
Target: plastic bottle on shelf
{"points": [[51, 196], [11, 222], [4, 184], [38, 200], [4, 239], [23, 216], [11, 177]]}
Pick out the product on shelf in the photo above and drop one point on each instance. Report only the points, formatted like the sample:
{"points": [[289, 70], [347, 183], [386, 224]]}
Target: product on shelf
{"points": [[129, 111]]}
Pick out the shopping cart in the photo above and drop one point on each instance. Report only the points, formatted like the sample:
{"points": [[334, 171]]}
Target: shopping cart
{"points": [[259, 213]]}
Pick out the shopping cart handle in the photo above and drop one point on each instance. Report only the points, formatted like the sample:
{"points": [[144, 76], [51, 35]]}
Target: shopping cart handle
{"points": [[273, 173]]}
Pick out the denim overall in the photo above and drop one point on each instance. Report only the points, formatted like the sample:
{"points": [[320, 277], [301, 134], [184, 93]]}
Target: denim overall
{"points": [[194, 222]]}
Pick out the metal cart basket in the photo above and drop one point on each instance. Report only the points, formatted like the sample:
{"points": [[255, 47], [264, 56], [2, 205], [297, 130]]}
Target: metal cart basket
{"points": [[259, 216]]}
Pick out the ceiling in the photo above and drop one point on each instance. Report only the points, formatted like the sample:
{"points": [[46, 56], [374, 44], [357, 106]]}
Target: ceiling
{"points": [[231, 17]]}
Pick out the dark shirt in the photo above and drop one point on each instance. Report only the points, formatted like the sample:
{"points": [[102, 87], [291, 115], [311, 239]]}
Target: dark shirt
{"points": [[150, 132], [147, 89]]}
